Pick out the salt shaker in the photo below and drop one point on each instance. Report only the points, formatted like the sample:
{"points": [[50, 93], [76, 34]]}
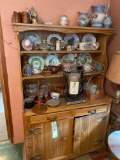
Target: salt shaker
{"points": [[58, 45]]}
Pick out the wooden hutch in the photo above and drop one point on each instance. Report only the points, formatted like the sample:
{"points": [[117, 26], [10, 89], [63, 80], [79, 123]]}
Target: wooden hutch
{"points": [[81, 127]]}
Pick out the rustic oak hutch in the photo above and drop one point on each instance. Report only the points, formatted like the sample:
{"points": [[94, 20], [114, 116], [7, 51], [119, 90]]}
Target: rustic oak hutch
{"points": [[81, 127]]}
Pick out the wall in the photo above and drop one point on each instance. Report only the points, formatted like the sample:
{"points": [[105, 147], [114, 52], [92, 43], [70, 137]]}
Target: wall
{"points": [[114, 45], [47, 10]]}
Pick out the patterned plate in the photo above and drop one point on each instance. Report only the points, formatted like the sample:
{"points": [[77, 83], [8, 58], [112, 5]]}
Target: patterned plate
{"points": [[51, 39], [72, 39], [36, 62]]}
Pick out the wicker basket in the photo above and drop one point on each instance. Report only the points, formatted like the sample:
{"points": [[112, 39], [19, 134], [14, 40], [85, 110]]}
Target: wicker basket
{"points": [[97, 95]]}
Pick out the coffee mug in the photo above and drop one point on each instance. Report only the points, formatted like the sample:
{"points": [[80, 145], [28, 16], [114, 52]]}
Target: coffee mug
{"points": [[93, 89]]}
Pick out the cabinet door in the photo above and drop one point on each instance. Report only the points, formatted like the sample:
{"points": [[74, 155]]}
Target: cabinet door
{"points": [[60, 146], [89, 132], [40, 143]]}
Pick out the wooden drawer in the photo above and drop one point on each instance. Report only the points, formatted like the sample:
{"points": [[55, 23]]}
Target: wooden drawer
{"points": [[49, 117], [92, 110]]}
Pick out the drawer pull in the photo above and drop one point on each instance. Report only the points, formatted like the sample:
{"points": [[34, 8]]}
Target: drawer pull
{"points": [[98, 140], [35, 131], [92, 112], [52, 119], [37, 157]]}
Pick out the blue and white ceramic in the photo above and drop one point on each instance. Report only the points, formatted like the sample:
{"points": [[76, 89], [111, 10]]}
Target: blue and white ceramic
{"points": [[98, 15], [107, 22], [84, 19], [71, 39]]}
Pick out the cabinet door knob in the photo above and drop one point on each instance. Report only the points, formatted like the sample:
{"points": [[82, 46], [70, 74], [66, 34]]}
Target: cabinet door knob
{"points": [[77, 139], [52, 119], [35, 131], [92, 112], [64, 138]]}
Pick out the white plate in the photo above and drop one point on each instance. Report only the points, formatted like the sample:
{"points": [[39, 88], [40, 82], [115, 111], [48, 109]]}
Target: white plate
{"points": [[88, 38], [51, 39]]}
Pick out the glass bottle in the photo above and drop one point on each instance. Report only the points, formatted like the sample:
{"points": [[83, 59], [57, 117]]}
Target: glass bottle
{"points": [[73, 85]]}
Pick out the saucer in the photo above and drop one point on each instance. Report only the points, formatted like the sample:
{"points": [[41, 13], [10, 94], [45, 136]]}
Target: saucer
{"points": [[27, 44]]}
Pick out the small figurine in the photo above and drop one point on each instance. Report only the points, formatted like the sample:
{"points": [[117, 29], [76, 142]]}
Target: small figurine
{"points": [[33, 15]]}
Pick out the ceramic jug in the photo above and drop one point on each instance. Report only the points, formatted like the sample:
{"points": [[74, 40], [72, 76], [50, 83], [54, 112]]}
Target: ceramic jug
{"points": [[27, 70], [84, 19], [107, 22], [98, 15]]}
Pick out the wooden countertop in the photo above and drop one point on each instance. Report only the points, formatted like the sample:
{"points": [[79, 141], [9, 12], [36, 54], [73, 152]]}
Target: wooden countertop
{"points": [[64, 107]]}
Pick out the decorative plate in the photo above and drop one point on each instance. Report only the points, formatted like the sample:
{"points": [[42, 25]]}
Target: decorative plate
{"points": [[27, 45], [52, 60], [88, 38], [84, 58], [68, 57], [33, 37], [37, 62], [51, 39], [72, 39]]}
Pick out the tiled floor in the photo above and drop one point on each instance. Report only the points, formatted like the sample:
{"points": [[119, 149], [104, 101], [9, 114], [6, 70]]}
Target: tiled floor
{"points": [[3, 129], [9, 151]]}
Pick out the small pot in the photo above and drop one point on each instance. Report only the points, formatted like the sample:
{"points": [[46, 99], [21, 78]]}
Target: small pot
{"points": [[54, 69], [29, 103]]}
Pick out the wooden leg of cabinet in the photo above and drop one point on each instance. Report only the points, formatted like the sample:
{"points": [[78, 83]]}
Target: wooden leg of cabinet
{"points": [[24, 153]]}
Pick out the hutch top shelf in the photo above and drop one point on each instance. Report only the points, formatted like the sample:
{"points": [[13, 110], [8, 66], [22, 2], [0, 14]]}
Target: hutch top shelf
{"points": [[19, 27]]}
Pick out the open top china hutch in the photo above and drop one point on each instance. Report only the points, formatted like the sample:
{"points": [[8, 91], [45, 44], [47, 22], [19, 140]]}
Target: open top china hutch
{"points": [[79, 128]]}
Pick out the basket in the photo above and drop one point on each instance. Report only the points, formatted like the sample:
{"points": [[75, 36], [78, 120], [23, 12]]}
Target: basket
{"points": [[96, 95]]}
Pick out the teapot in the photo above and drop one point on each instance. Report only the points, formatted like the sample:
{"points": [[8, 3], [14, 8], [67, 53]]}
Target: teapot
{"points": [[84, 19]]}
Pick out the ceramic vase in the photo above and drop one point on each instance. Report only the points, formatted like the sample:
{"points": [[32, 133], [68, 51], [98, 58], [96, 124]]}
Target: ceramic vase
{"points": [[84, 19]]}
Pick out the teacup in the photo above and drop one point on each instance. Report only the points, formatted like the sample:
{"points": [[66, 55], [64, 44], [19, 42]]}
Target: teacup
{"points": [[88, 68]]}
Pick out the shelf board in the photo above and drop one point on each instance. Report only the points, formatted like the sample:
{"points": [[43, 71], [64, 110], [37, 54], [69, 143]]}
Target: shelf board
{"points": [[57, 75], [21, 27], [39, 76], [62, 51]]}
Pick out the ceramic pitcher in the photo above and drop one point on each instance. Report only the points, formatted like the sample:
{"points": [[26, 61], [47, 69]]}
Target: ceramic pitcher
{"points": [[98, 15], [107, 22], [84, 19]]}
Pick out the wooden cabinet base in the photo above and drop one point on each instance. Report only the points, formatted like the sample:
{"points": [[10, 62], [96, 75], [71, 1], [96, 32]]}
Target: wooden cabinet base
{"points": [[80, 129]]}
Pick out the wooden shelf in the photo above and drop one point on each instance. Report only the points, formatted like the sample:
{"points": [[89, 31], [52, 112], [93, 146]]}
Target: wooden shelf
{"points": [[57, 75], [39, 76], [21, 27], [62, 51]]}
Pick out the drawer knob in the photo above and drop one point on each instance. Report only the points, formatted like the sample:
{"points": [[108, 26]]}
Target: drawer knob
{"points": [[35, 131], [64, 138], [92, 112], [52, 119], [77, 139]]}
